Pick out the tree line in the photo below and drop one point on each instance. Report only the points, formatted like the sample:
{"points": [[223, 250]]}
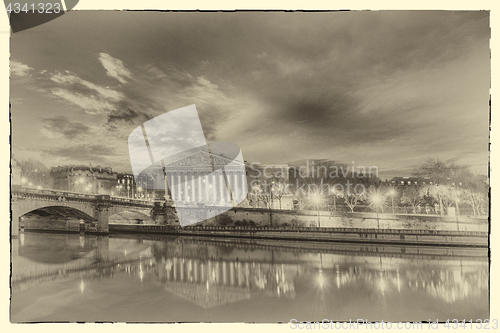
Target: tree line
{"points": [[442, 185]]}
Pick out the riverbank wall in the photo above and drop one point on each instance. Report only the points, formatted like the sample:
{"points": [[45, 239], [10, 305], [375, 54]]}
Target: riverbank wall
{"points": [[317, 234], [366, 220]]}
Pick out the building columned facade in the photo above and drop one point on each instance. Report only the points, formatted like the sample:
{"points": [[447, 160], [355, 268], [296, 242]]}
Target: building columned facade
{"points": [[192, 179]]}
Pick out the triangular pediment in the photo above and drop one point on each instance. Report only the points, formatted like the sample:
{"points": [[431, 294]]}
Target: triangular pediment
{"points": [[201, 159]]}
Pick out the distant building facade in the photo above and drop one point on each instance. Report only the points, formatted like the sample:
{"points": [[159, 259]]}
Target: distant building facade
{"points": [[15, 176], [126, 186], [84, 179], [417, 181], [408, 181]]}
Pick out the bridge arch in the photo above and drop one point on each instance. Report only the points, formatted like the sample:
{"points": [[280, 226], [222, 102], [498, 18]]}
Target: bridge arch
{"points": [[59, 218], [59, 212], [73, 206]]}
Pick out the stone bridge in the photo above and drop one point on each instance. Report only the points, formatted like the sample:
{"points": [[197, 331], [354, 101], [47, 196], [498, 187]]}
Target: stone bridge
{"points": [[61, 204]]}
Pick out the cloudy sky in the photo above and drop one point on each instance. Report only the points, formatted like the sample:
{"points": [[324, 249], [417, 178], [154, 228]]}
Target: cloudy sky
{"points": [[390, 89]]}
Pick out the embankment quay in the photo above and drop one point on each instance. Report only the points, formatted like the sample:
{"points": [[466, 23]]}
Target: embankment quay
{"points": [[350, 235]]}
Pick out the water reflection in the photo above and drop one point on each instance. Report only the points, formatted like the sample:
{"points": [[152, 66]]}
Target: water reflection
{"points": [[57, 277]]}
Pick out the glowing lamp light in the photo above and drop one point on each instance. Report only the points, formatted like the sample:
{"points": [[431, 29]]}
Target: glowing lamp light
{"points": [[392, 192], [321, 279], [316, 198], [376, 199]]}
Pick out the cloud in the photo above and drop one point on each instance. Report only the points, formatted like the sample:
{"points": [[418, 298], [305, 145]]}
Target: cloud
{"points": [[127, 115], [62, 127], [93, 98], [114, 67], [83, 153], [88, 103], [388, 87], [71, 79], [19, 69]]}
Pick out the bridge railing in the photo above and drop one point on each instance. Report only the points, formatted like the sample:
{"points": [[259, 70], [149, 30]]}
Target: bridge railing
{"points": [[76, 195]]}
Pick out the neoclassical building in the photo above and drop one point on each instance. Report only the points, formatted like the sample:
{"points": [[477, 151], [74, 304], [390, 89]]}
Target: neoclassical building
{"points": [[199, 178]]}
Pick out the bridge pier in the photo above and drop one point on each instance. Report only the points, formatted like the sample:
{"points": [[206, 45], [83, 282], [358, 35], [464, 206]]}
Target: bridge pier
{"points": [[16, 215], [102, 216]]}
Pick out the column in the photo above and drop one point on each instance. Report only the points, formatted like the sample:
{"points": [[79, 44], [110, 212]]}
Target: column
{"points": [[222, 187], [186, 191], [229, 180], [213, 193], [171, 184], [236, 189], [243, 181], [200, 189], [178, 185], [194, 189], [205, 188]]}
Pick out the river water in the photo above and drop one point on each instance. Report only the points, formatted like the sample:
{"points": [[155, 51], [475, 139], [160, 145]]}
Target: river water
{"points": [[126, 278]]}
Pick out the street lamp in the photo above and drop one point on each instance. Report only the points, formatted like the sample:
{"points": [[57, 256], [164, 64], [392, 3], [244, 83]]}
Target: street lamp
{"points": [[392, 192], [118, 190], [333, 191], [81, 181], [376, 200], [317, 200]]}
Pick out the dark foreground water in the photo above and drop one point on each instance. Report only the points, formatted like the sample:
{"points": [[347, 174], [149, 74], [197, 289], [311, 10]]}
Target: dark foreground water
{"points": [[59, 277]]}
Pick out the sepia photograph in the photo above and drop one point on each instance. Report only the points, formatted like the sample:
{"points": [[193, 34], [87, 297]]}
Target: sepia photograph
{"points": [[319, 169]]}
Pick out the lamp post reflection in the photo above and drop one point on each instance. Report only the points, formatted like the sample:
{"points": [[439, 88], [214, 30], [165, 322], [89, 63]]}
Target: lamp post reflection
{"points": [[317, 200]]}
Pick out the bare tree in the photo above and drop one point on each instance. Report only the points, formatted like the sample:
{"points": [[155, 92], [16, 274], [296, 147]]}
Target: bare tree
{"points": [[450, 182], [35, 173], [352, 200], [262, 192], [413, 196]]}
